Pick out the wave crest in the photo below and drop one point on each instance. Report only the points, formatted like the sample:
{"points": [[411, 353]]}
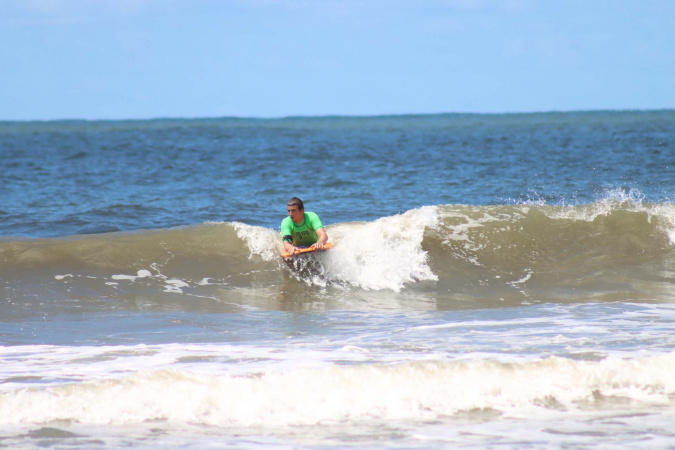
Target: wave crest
{"points": [[505, 254], [417, 390]]}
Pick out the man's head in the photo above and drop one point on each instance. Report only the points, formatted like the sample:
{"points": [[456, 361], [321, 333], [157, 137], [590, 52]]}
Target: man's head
{"points": [[295, 209]]}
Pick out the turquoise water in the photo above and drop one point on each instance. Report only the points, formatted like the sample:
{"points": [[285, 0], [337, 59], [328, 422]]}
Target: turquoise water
{"points": [[495, 280]]}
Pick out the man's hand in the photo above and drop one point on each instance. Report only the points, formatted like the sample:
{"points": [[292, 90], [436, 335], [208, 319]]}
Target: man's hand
{"points": [[323, 237], [290, 248]]}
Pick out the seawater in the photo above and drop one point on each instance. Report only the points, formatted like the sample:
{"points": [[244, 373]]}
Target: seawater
{"points": [[496, 280]]}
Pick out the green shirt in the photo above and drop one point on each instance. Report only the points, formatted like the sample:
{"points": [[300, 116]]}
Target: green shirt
{"points": [[303, 233]]}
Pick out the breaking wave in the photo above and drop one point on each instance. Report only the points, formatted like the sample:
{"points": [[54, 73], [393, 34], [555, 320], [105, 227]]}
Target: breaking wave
{"points": [[614, 249], [417, 390]]}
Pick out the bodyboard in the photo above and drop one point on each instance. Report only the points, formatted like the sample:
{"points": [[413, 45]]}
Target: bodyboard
{"points": [[300, 251]]}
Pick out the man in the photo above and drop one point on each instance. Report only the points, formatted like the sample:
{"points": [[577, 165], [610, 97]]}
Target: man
{"points": [[301, 229]]}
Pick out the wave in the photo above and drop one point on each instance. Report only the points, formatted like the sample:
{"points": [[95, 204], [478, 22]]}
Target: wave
{"points": [[614, 249], [417, 390]]}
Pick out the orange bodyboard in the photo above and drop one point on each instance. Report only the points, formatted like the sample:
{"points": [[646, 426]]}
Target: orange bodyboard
{"points": [[305, 250]]}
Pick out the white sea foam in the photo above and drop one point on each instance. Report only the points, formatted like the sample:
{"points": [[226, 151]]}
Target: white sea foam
{"points": [[173, 285], [139, 274], [264, 242], [438, 374], [307, 396], [384, 254]]}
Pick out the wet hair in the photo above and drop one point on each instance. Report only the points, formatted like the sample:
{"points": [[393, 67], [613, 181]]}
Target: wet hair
{"points": [[295, 201]]}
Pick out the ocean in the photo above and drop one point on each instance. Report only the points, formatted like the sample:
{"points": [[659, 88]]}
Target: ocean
{"points": [[496, 280]]}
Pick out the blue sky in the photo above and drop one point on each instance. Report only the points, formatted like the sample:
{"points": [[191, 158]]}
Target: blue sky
{"points": [[129, 59]]}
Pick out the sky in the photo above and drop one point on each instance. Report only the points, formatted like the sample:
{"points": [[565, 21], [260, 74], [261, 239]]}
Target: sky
{"points": [[138, 59]]}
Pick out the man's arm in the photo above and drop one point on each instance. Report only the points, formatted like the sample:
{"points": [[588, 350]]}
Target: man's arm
{"points": [[323, 238], [286, 233]]}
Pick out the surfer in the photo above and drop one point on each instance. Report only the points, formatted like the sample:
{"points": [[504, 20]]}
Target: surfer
{"points": [[301, 229]]}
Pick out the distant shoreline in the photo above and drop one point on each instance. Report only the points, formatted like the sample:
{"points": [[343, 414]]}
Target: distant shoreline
{"points": [[337, 116]]}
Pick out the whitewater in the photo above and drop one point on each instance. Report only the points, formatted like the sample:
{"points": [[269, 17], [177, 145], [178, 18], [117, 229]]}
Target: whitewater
{"points": [[495, 280]]}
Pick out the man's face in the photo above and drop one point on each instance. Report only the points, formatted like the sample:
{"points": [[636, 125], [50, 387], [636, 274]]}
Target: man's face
{"points": [[294, 213]]}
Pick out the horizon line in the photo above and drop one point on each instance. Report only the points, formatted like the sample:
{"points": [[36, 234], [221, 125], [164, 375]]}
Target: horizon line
{"points": [[336, 116]]}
